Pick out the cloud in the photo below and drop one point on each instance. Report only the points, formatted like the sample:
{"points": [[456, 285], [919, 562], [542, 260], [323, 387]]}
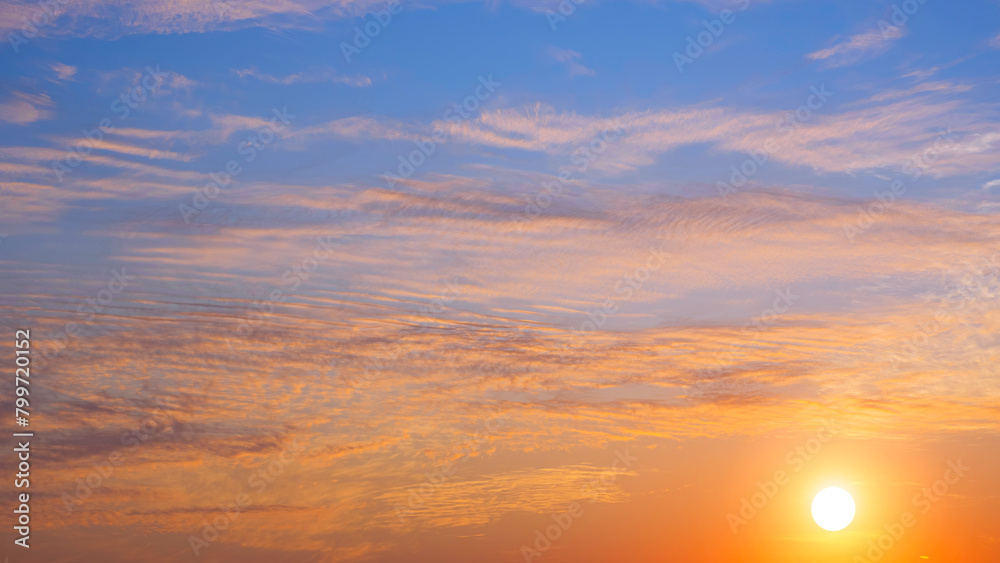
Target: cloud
{"points": [[885, 131], [26, 108], [570, 59], [359, 128], [502, 341], [178, 81], [995, 42], [223, 127], [326, 74], [111, 18], [859, 47], [108, 145], [64, 72]]}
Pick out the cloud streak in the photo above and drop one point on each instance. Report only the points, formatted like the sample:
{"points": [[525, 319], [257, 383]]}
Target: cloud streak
{"points": [[25, 108], [860, 47]]}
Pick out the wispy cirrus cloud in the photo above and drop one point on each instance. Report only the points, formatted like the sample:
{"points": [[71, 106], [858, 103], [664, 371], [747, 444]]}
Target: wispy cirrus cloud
{"points": [[464, 289], [860, 47], [496, 347], [110, 19], [326, 74], [571, 59], [24, 108], [883, 131]]}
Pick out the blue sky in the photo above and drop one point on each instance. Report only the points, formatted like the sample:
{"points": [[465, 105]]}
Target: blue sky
{"points": [[827, 103], [603, 60]]}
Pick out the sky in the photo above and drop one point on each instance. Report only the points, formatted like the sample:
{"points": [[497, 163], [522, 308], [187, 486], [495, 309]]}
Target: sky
{"points": [[502, 281]]}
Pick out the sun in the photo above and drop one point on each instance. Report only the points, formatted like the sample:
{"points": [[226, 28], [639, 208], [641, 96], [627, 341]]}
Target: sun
{"points": [[833, 509]]}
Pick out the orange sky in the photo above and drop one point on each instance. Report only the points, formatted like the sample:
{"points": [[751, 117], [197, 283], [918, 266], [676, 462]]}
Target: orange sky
{"points": [[442, 419]]}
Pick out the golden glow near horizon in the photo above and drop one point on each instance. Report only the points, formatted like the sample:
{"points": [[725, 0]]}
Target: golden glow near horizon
{"points": [[833, 509]]}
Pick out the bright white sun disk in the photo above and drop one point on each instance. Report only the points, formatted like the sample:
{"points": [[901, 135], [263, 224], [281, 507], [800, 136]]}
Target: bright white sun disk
{"points": [[833, 509]]}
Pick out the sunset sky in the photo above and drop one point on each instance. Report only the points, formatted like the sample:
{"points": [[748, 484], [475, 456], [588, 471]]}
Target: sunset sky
{"points": [[507, 281]]}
